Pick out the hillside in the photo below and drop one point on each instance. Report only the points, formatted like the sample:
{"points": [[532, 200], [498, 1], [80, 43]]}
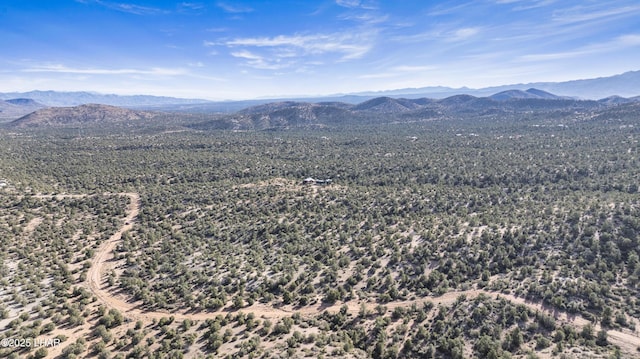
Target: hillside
{"points": [[83, 114], [284, 115], [389, 105]]}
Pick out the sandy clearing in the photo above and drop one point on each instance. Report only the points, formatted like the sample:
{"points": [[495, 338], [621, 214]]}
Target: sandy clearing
{"points": [[31, 226]]}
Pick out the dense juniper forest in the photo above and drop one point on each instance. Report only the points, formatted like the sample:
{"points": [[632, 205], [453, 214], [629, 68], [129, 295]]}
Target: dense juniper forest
{"points": [[479, 233]]}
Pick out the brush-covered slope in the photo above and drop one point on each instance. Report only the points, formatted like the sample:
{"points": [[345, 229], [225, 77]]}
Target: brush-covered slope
{"points": [[78, 115]]}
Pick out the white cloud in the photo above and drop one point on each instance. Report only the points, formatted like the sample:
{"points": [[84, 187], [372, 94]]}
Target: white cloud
{"points": [[217, 29], [630, 39], [127, 7], [584, 14], [406, 68], [353, 4], [350, 45], [246, 55], [259, 62], [96, 71], [535, 5], [551, 56], [616, 44], [284, 51], [366, 18], [464, 33], [191, 5], [381, 75], [348, 3], [412, 38], [526, 5], [397, 71], [439, 34], [233, 8], [136, 9], [446, 8]]}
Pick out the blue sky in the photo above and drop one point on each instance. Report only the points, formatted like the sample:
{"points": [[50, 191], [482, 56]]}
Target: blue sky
{"points": [[232, 49]]}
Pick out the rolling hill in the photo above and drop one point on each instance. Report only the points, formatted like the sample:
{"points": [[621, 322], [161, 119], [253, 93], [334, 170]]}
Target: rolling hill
{"points": [[79, 115]]}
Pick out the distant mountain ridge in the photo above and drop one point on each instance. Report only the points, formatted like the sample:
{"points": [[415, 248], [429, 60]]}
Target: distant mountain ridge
{"points": [[298, 114], [625, 85], [24, 102], [66, 99], [530, 93], [17, 107]]}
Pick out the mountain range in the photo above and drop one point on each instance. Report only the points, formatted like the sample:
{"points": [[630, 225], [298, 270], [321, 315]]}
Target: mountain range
{"points": [[55, 98], [511, 105], [624, 85], [300, 114]]}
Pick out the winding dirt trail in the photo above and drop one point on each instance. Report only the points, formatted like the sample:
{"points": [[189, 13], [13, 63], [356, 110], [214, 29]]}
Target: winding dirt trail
{"points": [[626, 340], [99, 262]]}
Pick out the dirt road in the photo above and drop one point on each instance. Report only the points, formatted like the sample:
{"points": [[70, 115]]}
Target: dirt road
{"points": [[627, 341]]}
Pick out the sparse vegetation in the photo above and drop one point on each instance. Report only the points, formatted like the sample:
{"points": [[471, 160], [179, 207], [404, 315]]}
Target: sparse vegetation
{"points": [[535, 224]]}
